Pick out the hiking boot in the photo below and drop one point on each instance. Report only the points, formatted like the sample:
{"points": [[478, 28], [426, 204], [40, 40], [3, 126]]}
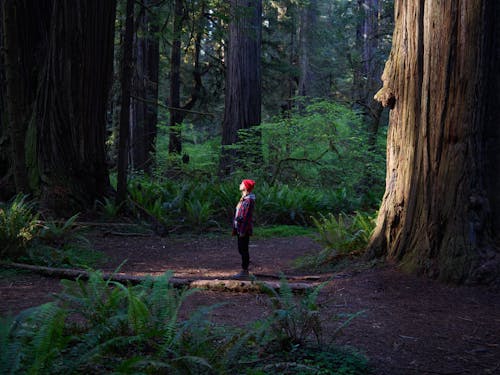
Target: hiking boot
{"points": [[243, 275]]}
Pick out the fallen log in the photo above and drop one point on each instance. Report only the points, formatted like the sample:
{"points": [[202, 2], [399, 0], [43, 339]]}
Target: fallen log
{"points": [[220, 285]]}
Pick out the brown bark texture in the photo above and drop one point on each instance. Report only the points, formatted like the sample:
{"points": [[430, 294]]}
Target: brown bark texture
{"points": [[126, 85], [242, 105], [24, 25], [70, 106], [145, 112], [439, 214]]}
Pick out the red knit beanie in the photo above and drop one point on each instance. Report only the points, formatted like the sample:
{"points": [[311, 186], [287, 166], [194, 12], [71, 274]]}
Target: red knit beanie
{"points": [[249, 184]]}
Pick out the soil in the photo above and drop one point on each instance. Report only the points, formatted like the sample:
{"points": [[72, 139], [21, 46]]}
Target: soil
{"points": [[409, 324]]}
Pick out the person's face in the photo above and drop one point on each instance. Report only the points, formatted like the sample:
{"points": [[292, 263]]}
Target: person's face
{"points": [[242, 187]]}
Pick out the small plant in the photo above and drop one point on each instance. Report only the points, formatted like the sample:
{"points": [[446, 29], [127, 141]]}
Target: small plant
{"points": [[62, 244], [343, 235], [19, 226], [198, 213], [109, 208], [295, 319]]}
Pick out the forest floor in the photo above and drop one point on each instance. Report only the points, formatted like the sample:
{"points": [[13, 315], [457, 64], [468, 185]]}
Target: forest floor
{"points": [[410, 325]]}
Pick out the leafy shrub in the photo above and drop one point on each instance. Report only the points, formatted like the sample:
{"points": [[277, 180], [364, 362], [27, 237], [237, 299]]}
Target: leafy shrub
{"points": [[19, 226]]}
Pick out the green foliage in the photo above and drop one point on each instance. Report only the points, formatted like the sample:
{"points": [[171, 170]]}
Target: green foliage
{"points": [[341, 236], [294, 319], [19, 226], [52, 243], [62, 244], [328, 360], [101, 326], [108, 208], [344, 234], [116, 328]]}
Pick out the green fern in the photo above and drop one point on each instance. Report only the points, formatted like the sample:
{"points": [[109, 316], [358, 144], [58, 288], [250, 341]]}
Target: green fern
{"points": [[19, 226], [295, 319]]}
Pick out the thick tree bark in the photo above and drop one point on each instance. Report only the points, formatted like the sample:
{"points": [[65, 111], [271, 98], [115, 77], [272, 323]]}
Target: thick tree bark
{"points": [[70, 108], [242, 106], [439, 215], [126, 83], [18, 100], [147, 57]]}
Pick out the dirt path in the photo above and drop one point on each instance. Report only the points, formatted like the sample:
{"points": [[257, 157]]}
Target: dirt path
{"points": [[410, 325]]}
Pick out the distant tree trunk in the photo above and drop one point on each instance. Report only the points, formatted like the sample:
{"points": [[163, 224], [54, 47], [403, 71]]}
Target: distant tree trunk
{"points": [[70, 108], [242, 106], [367, 78], [145, 110], [6, 185], [440, 212], [306, 48], [175, 141], [125, 79], [152, 72], [18, 105]]}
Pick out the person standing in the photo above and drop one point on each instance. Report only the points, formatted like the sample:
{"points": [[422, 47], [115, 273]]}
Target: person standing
{"points": [[243, 225]]}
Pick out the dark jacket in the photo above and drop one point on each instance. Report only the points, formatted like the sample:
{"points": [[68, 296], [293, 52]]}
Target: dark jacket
{"points": [[243, 222]]}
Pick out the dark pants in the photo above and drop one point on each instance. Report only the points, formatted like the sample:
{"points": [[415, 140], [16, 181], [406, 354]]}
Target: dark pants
{"points": [[243, 250]]}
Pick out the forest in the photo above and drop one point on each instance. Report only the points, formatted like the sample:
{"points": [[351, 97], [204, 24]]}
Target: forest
{"points": [[363, 134]]}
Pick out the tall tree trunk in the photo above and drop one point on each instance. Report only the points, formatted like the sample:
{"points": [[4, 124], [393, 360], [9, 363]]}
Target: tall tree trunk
{"points": [[5, 170], [125, 79], [152, 79], [306, 48], [439, 215], [367, 77], [138, 107], [242, 105], [143, 127], [175, 141], [70, 108], [17, 104]]}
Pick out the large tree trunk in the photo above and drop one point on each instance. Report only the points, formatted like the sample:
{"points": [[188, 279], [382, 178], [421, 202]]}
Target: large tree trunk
{"points": [[242, 106], [126, 84], [25, 26], [70, 108], [145, 109], [439, 215]]}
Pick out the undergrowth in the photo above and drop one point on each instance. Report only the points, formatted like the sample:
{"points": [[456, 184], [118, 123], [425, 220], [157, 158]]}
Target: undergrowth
{"points": [[102, 326]]}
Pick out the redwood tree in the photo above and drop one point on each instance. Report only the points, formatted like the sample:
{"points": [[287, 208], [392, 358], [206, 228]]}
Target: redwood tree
{"points": [[70, 107], [440, 211], [242, 105], [144, 108], [126, 84]]}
